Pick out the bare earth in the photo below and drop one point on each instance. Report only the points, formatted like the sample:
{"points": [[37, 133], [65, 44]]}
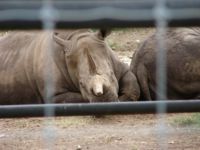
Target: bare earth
{"points": [[133, 132], [129, 132]]}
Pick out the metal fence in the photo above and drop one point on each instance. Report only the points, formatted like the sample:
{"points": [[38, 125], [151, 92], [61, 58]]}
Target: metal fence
{"points": [[89, 13], [61, 14], [47, 15], [37, 110]]}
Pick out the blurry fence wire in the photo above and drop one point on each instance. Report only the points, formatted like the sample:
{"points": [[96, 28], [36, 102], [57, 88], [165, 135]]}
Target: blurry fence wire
{"points": [[47, 14], [48, 21], [161, 70]]}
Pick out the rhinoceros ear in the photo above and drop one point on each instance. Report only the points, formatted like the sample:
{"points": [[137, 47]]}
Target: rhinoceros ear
{"points": [[60, 41], [103, 33]]}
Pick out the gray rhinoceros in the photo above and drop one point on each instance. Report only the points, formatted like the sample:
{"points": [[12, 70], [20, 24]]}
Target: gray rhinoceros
{"points": [[183, 64], [78, 63]]}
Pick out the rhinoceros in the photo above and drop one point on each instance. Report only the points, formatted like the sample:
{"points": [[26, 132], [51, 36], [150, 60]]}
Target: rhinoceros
{"points": [[78, 63], [183, 64]]}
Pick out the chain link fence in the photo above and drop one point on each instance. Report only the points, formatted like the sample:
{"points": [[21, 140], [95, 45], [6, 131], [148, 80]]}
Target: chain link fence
{"points": [[60, 14]]}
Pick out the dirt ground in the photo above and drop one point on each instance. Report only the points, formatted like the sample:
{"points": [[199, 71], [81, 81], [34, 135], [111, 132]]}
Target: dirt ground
{"points": [[125, 41], [128, 132], [132, 132]]}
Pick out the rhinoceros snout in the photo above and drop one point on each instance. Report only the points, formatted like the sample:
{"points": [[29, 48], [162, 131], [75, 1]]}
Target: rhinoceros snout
{"points": [[107, 96], [97, 90]]}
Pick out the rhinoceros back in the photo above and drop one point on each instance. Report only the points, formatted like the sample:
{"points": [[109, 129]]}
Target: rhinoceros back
{"points": [[14, 84]]}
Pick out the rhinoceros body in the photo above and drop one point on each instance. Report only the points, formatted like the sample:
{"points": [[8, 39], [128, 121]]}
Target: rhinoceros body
{"points": [[62, 66], [183, 64]]}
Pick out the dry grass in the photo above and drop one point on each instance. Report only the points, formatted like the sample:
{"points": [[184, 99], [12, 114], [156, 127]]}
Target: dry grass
{"points": [[187, 120]]}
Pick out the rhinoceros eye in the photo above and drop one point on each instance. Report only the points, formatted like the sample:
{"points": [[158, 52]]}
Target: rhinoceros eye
{"points": [[81, 84]]}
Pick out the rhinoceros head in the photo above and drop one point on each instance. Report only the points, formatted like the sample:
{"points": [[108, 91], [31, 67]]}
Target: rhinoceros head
{"points": [[89, 63]]}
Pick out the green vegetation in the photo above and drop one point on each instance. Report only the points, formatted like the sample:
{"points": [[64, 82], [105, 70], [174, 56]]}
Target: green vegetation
{"points": [[188, 120], [113, 45]]}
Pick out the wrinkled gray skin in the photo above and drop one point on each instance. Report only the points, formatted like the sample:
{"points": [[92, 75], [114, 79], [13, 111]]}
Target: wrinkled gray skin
{"points": [[183, 65], [61, 67]]}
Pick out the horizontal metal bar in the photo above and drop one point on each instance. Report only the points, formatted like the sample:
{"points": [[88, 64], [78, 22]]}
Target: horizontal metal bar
{"points": [[85, 4], [179, 106], [20, 14]]}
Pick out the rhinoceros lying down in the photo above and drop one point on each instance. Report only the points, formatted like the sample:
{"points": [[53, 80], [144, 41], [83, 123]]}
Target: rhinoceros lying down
{"points": [[82, 66], [183, 64]]}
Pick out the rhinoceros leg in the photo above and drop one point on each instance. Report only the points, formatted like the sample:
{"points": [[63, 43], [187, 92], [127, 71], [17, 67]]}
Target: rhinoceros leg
{"points": [[143, 82], [129, 88], [69, 97]]}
